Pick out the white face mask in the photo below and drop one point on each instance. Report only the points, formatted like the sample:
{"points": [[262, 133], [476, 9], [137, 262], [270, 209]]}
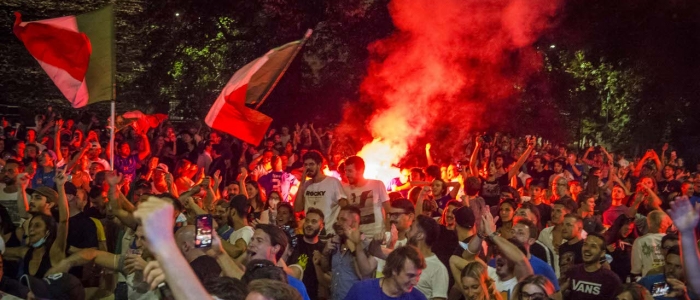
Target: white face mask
{"points": [[41, 241], [181, 218]]}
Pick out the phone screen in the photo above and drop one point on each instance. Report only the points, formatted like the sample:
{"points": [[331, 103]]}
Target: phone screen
{"points": [[203, 227], [659, 289]]}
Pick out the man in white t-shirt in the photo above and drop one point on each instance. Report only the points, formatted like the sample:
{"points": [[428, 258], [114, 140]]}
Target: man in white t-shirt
{"points": [[238, 220], [646, 250], [320, 191], [9, 189], [434, 280], [369, 195]]}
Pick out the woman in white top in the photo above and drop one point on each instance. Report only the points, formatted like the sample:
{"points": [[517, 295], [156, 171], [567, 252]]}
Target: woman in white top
{"points": [[269, 215]]}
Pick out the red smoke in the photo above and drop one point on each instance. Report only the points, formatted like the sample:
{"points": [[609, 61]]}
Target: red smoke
{"points": [[449, 63]]}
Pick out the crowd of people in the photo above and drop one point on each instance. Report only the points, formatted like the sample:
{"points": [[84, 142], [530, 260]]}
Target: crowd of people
{"points": [[296, 218]]}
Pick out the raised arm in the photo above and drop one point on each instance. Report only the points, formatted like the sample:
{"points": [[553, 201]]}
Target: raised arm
{"points": [[170, 183], [241, 181], [318, 137], [365, 263], [515, 169], [85, 256], [475, 154], [686, 218], [22, 184], [58, 248], [156, 216], [657, 161], [57, 141], [509, 251], [299, 199], [456, 186], [428, 155], [124, 216], [230, 267], [147, 147]]}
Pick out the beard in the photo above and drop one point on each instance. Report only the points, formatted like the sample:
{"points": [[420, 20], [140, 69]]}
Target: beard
{"points": [[312, 234], [412, 241], [8, 181]]}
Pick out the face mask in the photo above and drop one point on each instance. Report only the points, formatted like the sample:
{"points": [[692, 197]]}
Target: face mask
{"points": [[40, 242], [181, 218]]}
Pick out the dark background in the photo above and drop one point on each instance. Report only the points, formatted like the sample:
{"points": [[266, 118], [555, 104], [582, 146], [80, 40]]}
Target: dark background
{"points": [[622, 73]]}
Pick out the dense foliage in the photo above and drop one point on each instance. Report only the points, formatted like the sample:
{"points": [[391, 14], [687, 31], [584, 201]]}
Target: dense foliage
{"points": [[624, 73]]}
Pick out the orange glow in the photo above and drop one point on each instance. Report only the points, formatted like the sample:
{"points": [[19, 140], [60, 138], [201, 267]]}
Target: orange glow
{"points": [[450, 64], [380, 157]]}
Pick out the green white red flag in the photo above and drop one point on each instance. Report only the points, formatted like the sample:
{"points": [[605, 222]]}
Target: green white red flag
{"points": [[77, 52], [251, 85]]}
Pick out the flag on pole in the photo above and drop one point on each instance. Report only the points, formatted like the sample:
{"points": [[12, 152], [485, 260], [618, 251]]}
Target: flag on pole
{"points": [[77, 52], [251, 85]]}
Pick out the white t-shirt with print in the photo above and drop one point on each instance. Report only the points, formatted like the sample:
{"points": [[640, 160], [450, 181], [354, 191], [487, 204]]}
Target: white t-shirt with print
{"points": [[646, 253], [324, 196], [9, 201], [245, 233], [503, 287], [369, 198]]}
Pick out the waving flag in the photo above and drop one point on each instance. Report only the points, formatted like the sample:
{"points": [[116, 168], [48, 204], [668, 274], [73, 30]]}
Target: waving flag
{"points": [[251, 85], [77, 52], [139, 121]]}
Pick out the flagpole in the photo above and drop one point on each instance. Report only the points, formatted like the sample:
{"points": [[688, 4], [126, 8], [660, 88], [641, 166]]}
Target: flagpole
{"points": [[303, 41], [111, 126]]}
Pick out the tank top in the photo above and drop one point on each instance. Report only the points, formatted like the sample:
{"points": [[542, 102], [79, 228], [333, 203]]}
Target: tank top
{"points": [[44, 266]]}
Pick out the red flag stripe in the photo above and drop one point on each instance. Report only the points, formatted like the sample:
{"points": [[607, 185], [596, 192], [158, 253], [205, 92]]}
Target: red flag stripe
{"points": [[58, 47]]}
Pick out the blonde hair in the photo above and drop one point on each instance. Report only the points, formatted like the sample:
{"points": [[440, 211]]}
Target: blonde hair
{"points": [[478, 270]]}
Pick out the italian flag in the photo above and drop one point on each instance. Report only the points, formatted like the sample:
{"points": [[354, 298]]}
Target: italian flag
{"points": [[251, 85], [77, 52]]}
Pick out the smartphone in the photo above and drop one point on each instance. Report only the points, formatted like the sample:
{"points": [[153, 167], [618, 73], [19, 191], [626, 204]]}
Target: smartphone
{"points": [[203, 228], [659, 289]]}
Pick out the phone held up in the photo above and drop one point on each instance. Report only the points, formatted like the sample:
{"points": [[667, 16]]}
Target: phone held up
{"points": [[203, 228]]}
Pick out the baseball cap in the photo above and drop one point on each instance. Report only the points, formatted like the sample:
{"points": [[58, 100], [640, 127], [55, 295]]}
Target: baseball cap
{"points": [[55, 286], [50, 194], [464, 217], [95, 145], [162, 167]]}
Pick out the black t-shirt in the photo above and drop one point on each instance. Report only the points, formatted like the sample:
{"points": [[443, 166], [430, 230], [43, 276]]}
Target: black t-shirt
{"points": [[622, 258], [596, 285], [303, 256], [666, 188], [445, 245], [491, 190], [570, 255], [82, 233], [540, 177]]}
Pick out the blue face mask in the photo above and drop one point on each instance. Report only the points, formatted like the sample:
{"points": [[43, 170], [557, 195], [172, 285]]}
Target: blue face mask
{"points": [[40, 242]]}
